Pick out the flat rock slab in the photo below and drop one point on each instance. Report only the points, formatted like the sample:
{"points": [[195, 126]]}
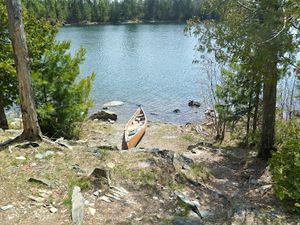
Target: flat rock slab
{"points": [[6, 207], [77, 206], [40, 181], [113, 104]]}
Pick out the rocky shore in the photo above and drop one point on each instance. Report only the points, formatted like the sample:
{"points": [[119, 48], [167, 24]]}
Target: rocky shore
{"points": [[175, 176]]}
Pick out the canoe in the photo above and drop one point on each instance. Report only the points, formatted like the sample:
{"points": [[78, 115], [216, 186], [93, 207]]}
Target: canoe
{"points": [[134, 129]]}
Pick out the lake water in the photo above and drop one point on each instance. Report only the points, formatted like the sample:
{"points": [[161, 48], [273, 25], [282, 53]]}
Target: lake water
{"points": [[146, 64]]}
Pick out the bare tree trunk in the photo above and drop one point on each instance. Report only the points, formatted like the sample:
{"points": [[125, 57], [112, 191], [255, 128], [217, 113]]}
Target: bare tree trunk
{"points": [[3, 120], [31, 126], [267, 138], [256, 107]]}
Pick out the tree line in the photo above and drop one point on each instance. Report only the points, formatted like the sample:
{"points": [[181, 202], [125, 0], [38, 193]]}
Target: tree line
{"points": [[101, 11]]}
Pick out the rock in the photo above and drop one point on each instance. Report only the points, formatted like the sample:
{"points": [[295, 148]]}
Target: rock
{"points": [[210, 113], [104, 115], [111, 121], [113, 104], [40, 181], [96, 193], [6, 207], [253, 181], [193, 103], [62, 143], [44, 154], [92, 211], [53, 209], [37, 199], [193, 205], [77, 206], [176, 111], [21, 158], [144, 164], [105, 199], [101, 177]]}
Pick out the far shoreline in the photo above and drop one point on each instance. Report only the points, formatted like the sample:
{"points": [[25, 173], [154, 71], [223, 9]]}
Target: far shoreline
{"points": [[129, 22]]}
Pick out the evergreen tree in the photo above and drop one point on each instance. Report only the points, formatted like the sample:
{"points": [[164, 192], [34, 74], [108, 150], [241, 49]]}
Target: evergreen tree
{"points": [[260, 31]]}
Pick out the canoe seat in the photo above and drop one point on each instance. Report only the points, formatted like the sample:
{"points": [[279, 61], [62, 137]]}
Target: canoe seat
{"points": [[132, 132]]}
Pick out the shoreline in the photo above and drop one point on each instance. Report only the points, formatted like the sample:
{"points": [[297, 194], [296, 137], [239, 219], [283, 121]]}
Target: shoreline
{"points": [[129, 22]]}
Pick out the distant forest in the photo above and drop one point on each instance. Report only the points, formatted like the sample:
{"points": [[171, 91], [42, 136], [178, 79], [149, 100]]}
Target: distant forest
{"points": [[102, 11]]}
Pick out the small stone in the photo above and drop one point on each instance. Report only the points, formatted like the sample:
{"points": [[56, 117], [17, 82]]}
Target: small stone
{"points": [[21, 158], [44, 154], [96, 193], [37, 199], [92, 211], [105, 198], [53, 209], [155, 198], [6, 207], [176, 111]]}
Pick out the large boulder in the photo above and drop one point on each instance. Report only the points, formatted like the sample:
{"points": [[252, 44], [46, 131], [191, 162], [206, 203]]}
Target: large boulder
{"points": [[104, 115]]}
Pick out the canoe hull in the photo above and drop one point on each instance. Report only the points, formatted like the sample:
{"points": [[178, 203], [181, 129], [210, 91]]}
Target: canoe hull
{"points": [[134, 140]]}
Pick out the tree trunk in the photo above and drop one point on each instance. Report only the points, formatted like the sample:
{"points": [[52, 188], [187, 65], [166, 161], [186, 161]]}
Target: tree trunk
{"points": [[269, 113], [256, 107], [31, 126], [3, 120]]}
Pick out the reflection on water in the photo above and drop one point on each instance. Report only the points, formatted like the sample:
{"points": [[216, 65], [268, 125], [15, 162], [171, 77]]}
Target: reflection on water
{"points": [[149, 65]]}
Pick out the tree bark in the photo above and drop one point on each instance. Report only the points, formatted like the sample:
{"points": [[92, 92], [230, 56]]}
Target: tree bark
{"points": [[256, 107], [3, 120], [31, 126], [269, 113]]}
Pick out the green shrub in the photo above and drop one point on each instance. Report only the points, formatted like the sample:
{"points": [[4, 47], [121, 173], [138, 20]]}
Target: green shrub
{"points": [[285, 163]]}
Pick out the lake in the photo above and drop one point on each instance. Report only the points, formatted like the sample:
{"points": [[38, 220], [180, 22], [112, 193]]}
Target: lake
{"points": [[147, 64]]}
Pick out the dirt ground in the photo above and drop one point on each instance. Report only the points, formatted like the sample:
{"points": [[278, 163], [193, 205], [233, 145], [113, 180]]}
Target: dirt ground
{"points": [[230, 184]]}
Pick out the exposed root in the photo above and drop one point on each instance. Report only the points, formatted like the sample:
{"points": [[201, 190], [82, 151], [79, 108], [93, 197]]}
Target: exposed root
{"points": [[21, 138]]}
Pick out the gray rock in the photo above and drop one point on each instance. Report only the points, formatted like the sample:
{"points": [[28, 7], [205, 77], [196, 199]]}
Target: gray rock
{"points": [[193, 205], [176, 111], [40, 181], [154, 114], [193, 103], [77, 206], [104, 115], [21, 158], [6, 207], [44, 154], [113, 104]]}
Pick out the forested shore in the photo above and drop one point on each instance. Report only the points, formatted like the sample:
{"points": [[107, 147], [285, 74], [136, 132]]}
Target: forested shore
{"points": [[107, 11]]}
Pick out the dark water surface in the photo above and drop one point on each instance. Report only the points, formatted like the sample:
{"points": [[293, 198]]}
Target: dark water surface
{"points": [[149, 65]]}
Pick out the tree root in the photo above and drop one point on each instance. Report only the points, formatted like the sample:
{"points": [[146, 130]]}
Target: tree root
{"points": [[21, 138]]}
